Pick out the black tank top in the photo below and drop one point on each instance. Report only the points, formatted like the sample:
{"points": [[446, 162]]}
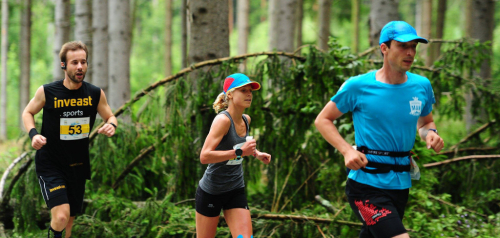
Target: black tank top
{"points": [[68, 119], [227, 175]]}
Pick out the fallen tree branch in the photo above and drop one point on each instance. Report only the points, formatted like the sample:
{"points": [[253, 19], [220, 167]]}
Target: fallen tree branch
{"points": [[325, 203], [456, 206], [21, 171], [301, 218], [4, 203], [7, 171], [430, 165], [473, 149], [474, 133], [135, 161]]}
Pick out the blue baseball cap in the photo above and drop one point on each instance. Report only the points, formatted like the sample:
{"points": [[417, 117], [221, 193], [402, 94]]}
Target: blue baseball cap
{"points": [[399, 31], [238, 80]]}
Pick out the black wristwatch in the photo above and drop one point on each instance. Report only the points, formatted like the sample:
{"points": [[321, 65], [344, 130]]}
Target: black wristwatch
{"points": [[238, 153], [113, 124]]}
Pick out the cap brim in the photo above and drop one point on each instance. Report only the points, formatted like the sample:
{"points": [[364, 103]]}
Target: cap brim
{"points": [[410, 37], [255, 85]]}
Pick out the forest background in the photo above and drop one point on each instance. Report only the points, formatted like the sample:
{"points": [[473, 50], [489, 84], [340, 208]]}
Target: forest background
{"points": [[144, 178]]}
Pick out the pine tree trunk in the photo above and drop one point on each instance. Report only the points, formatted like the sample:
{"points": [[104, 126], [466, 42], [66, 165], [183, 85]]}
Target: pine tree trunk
{"points": [[168, 37], [355, 25], [325, 8], [263, 5], [209, 30], [479, 25], [62, 31], [298, 24], [282, 14], [119, 52], [441, 13], [426, 31], [25, 58], [381, 12], [230, 19], [243, 28], [83, 30], [100, 46], [184, 32], [3, 80]]}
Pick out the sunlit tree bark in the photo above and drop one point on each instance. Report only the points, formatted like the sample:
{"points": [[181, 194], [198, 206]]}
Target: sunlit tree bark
{"points": [[100, 44], [25, 57], [119, 52], [61, 36]]}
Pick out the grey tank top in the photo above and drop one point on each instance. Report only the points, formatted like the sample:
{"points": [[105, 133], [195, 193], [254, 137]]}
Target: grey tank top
{"points": [[227, 175]]}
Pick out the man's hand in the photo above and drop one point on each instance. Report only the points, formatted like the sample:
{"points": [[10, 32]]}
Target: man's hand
{"points": [[38, 141], [434, 141], [355, 160], [264, 157], [107, 129]]}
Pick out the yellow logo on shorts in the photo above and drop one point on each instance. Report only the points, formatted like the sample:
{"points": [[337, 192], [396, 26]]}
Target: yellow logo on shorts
{"points": [[57, 188]]}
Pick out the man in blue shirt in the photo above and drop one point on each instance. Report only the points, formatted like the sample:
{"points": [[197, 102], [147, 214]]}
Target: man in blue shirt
{"points": [[386, 105]]}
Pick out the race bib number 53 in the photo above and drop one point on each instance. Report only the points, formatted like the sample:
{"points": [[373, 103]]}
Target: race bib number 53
{"points": [[74, 128]]}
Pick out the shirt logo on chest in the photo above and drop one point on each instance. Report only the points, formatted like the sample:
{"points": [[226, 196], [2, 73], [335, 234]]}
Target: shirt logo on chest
{"points": [[415, 107]]}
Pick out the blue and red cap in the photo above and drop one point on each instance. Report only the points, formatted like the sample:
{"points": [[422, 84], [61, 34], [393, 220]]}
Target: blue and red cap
{"points": [[238, 80], [399, 31]]}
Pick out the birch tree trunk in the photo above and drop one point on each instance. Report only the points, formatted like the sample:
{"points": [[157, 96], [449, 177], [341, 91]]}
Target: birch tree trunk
{"points": [[61, 36], [119, 52], [3, 83], [100, 48], [325, 8], [243, 29], [381, 12], [282, 15], [83, 30], [168, 37], [355, 25], [25, 58]]}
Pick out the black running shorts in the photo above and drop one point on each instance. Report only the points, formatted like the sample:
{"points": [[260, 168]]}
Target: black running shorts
{"points": [[57, 191], [210, 205], [380, 210]]}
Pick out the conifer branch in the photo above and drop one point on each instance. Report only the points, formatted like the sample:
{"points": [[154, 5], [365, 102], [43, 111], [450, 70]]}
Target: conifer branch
{"points": [[189, 69]]}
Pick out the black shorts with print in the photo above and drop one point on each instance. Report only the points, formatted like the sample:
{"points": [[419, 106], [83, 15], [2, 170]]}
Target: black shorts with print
{"points": [[57, 191], [380, 210], [210, 205]]}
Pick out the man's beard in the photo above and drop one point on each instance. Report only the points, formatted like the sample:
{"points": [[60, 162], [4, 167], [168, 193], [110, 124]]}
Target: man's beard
{"points": [[74, 79]]}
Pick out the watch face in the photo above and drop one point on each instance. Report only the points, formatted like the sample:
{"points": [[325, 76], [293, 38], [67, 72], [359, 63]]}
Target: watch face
{"points": [[239, 152]]}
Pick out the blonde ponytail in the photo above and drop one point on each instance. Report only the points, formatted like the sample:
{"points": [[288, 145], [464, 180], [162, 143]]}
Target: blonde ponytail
{"points": [[220, 103]]}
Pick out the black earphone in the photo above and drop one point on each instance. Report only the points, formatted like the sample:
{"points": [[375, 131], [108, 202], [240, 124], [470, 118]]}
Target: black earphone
{"points": [[63, 65]]}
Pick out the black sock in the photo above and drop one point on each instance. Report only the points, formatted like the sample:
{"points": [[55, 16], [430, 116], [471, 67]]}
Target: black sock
{"points": [[57, 234]]}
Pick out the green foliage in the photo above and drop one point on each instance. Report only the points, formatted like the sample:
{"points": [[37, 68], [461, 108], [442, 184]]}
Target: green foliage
{"points": [[303, 165]]}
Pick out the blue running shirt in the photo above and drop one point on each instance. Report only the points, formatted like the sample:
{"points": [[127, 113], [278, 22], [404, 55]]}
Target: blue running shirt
{"points": [[385, 118]]}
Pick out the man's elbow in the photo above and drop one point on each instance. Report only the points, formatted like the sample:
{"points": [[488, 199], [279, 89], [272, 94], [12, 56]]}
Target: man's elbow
{"points": [[317, 122]]}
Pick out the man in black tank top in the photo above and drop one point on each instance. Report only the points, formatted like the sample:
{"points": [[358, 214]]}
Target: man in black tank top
{"points": [[62, 160]]}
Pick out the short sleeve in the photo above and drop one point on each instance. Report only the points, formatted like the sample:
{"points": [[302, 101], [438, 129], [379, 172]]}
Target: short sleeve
{"points": [[345, 99], [430, 99]]}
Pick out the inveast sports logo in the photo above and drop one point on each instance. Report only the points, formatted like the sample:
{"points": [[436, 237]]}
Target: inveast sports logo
{"points": [[58, 103], [57, 188]]}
